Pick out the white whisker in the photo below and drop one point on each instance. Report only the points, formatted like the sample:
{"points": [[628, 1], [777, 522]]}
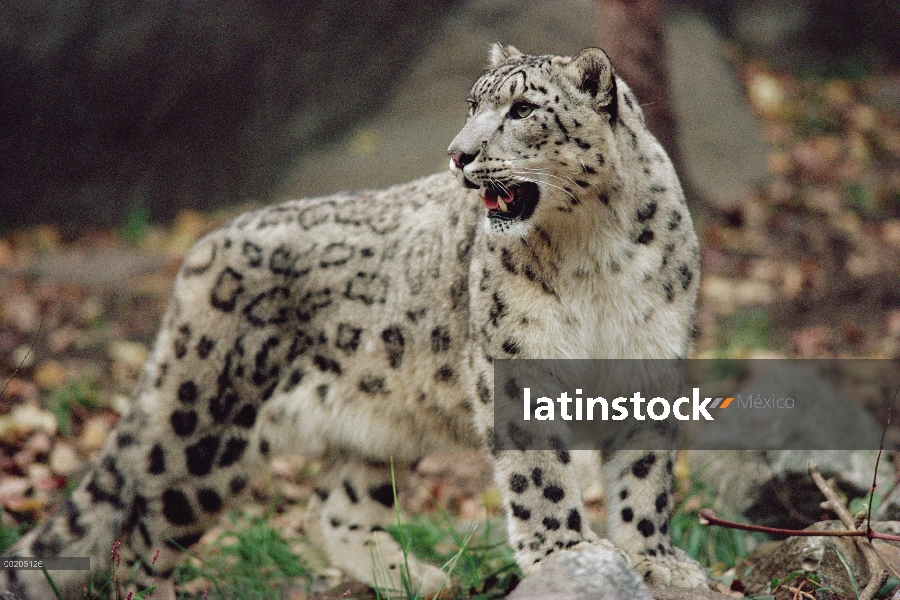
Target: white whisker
{"points": [[562, 179], [540, 183], [544, 174]]}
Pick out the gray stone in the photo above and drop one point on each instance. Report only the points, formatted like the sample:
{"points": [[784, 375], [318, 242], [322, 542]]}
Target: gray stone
{"points": [[722, 148], [688, 595], [819, 417], [828, 557], [773, 487], [592, 573]]}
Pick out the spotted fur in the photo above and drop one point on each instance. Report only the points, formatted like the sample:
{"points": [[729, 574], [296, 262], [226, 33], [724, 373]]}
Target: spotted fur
{"points": [[364, 326]]}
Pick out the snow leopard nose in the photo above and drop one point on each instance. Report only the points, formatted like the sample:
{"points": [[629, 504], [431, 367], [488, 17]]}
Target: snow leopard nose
{"points": [[461, 159]]}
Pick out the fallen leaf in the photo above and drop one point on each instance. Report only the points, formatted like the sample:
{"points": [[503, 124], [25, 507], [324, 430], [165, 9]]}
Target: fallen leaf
{"points": [[11, 486], [64, 460], [50, 375], [28, 417], [39, 443], [25, 508], [94, 434]]}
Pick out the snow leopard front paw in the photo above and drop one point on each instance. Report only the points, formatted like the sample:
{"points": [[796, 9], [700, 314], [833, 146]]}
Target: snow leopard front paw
{"points": [[673, 569]]}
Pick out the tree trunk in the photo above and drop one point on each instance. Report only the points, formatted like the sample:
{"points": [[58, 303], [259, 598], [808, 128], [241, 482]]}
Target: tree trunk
{"points": [[631, 33]]}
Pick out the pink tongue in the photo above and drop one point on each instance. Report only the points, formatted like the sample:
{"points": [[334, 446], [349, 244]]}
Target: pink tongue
{"points": [[490, 199]]}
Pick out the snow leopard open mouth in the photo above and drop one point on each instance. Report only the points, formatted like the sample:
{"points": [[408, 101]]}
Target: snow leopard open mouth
{"points": [[510, 202]]}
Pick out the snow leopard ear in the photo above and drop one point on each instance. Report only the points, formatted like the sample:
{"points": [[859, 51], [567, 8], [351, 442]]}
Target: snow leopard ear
{"points": [[501, 53], [592, 72]]}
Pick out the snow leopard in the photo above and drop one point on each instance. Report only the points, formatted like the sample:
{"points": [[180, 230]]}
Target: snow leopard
{"points": [[363, 327]]}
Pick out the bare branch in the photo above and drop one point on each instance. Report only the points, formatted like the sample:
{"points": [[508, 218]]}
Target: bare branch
{"points": [[877, 573], [24, 358]]}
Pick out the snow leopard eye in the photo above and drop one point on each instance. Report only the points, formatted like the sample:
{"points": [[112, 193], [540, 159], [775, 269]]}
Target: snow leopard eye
{"points": [[520, 110]]}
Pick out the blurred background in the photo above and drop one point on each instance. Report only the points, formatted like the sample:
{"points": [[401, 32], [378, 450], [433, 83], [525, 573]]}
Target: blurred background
{"points": [[110, 109], [129, 129], [136, 123]]}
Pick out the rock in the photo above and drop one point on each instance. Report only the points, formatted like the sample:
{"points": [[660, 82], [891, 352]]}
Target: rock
{"points": [[591, 573], [772, 487], [723, 151], [809, 36], [688, 595], [827, 557], [816, 415], [96, 267], [414, 128], [202, 127]]}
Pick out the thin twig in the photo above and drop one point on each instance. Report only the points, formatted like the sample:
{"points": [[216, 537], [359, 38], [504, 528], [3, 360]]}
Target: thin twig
{"points": [[877, 460], [835, 504], [27, 354], [877, 573], [708, 517]]}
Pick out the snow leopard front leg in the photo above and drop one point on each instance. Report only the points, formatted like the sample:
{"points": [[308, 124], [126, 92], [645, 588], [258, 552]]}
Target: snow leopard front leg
{"points": [[546, 519], [639, 486], [546, 516], [544, 505]]}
